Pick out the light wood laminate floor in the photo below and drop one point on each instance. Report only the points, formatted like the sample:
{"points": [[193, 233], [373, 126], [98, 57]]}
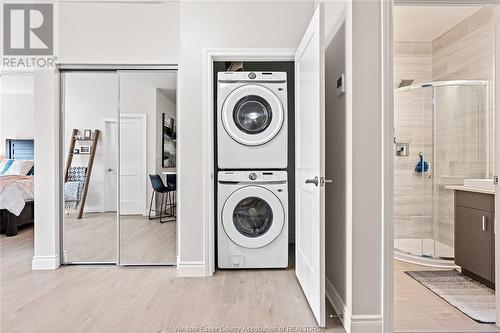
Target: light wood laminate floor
{"points": [[417, 309], [93, 238], [141, 299]]}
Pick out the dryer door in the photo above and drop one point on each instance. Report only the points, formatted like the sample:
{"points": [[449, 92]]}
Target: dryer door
{"points": [[253, 217], [252, 115]]}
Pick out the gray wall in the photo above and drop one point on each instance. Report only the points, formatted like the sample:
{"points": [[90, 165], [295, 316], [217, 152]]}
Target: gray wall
{"points": [[367, 158], [335, 193]]}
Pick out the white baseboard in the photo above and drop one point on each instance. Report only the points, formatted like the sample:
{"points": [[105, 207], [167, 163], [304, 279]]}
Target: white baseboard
{"points": [[352, 323], [366, 324], [45, 262], [338, 304], [191, 268], [93, 209]]}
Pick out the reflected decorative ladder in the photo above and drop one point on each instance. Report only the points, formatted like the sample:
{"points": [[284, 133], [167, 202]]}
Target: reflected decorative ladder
{"points": [[90, 163]]}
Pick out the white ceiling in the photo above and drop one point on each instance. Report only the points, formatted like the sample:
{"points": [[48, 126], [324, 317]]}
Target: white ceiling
{"points": [[420, 23]]}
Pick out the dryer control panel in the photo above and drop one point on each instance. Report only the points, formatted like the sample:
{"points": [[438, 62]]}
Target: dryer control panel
{"points": [[251, 76], [252, 176]]}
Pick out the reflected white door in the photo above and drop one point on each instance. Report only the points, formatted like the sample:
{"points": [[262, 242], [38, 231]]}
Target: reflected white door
{"points": [[110, 138], [310, 166], [132, 159]]}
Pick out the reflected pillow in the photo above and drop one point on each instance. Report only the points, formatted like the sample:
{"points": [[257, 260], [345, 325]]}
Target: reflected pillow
{"points": [[19, 168], [4, 166]]}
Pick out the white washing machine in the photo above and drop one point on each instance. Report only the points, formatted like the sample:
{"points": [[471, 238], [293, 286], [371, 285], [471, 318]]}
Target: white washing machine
{"points": [[252, 120], [252, 230]]}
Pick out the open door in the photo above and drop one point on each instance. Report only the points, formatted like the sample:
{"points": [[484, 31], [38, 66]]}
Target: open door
{"points": [[310, 166]]}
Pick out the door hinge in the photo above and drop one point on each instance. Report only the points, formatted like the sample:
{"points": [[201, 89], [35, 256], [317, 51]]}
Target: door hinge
{"points": [[495, 180]]}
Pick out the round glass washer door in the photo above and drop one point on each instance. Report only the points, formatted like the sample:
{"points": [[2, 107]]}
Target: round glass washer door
{"points": [[253, 217], [252, 115]]}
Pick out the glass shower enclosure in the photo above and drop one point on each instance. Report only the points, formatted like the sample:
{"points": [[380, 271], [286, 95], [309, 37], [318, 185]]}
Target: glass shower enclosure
{"points": [[441, 136]]}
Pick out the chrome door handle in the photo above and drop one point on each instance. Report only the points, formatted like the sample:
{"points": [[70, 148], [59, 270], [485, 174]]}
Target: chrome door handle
{"points": [[483, 223], [324, 181], [314, 181]]}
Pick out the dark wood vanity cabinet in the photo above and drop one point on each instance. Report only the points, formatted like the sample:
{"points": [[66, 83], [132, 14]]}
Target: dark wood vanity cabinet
{"points": [[474, 235]]}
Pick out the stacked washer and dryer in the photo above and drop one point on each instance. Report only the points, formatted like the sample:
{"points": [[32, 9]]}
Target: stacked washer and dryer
{"points": [[252, 230]]}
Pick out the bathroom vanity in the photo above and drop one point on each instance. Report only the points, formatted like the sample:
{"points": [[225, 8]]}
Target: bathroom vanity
{"points": [[474, 233]]}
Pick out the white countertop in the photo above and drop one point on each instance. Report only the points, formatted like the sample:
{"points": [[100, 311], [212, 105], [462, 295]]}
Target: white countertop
{"points": [[469, 189]]}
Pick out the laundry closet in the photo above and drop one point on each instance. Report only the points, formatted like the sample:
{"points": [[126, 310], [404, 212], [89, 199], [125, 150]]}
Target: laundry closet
{"points": [[254, 162]]}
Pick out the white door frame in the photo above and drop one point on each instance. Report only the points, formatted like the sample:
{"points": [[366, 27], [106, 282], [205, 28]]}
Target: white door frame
{"points": [[388, 121], [59, 70], [210, 55]]}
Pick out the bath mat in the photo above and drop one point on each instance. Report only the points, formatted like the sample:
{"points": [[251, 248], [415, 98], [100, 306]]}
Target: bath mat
{"points": [[467, 295]]}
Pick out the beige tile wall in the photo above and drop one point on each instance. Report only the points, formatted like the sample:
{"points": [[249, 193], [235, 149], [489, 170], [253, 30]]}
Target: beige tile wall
{"points": [[413, 124], [464, 52]]}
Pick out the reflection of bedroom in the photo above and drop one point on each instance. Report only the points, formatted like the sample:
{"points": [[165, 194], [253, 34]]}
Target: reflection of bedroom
{"points": [[138, 147], [16, 153]]}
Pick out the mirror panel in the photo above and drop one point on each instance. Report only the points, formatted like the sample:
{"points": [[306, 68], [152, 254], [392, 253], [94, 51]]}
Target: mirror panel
{"points": [[147, 154], [90, 136]]}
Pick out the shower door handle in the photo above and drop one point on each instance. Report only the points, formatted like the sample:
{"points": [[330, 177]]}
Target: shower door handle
{"points": [[483, 223]]}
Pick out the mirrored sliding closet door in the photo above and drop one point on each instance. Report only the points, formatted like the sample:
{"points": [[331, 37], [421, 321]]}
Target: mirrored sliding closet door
{"points": [[120, 174], [147, 167], [90, 192]]}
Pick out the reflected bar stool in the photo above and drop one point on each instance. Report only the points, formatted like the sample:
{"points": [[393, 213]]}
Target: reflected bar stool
{"points": [[160, 189], [171, 200]]}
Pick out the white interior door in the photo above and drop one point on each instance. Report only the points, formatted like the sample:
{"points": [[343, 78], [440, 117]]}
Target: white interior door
{"points": [[132, 171], [309, 167]]}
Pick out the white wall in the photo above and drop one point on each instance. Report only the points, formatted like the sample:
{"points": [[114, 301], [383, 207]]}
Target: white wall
{"points": [[46, 191], [16, 107], [212, 24], [118, 33]]}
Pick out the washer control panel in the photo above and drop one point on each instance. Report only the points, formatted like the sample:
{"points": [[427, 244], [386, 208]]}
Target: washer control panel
{"points": [[252, 176]]}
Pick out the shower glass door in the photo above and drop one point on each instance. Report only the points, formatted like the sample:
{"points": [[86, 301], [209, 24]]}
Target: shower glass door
{"points": [[442, 132], [462, 151]]}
